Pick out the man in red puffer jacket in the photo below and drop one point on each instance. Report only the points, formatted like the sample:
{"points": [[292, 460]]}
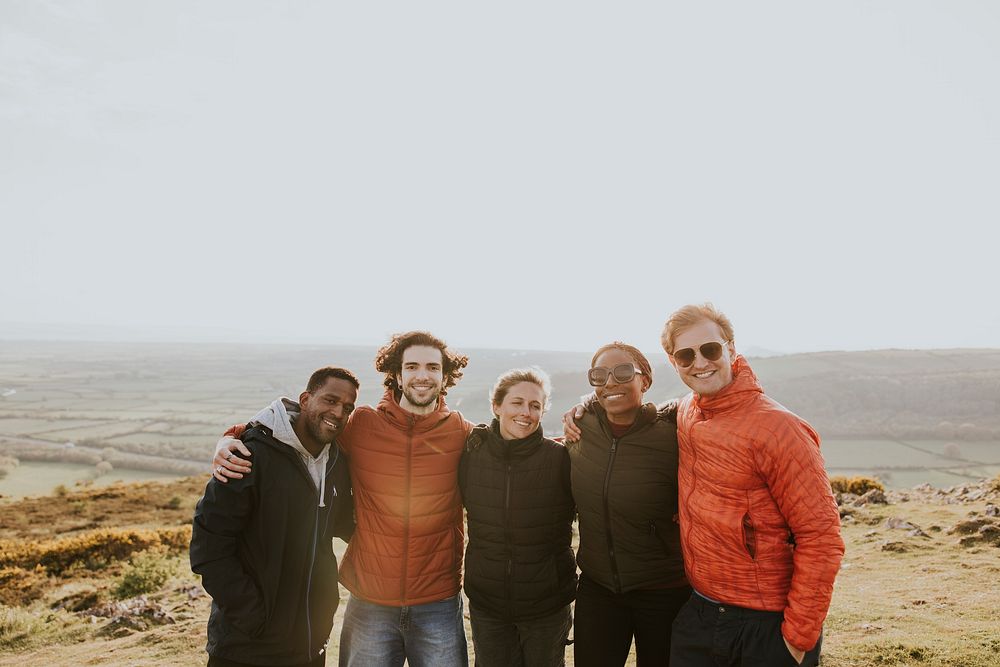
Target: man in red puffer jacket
{"points": [[760, 529]]}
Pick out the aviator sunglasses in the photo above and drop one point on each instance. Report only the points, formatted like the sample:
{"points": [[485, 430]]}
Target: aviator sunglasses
{"points": [[622, 373], [711, 351]]}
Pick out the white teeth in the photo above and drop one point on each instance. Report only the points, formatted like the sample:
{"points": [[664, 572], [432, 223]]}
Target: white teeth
{"points": [[612, 396], [330, 424], [520, 423], [702, 376]]}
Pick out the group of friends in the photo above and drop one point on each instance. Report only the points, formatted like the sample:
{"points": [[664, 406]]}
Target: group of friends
{"points": [[708, 532]]}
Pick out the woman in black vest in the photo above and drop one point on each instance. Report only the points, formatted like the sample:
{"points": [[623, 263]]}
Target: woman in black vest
{"points": [[520, 574], [624, 480]]}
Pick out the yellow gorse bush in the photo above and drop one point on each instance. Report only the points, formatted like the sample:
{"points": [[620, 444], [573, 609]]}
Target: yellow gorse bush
{"points": [[856, 485], [93, 550]]}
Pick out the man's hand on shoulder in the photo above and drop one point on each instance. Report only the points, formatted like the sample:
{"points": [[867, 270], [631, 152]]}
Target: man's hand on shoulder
{"points": [[227, 464]]}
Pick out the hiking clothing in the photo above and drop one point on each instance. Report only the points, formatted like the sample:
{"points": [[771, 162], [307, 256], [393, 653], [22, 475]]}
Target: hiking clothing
{"points": [[759, 523], [519, 563], [264, 547]]}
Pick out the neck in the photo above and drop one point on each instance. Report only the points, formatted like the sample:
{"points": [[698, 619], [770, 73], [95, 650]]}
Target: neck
{"points": [[623, 419], [312, 445]]}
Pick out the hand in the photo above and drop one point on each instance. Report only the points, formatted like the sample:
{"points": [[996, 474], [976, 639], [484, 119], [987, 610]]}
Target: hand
{"points": [[572, 432], [796, 653], [226, 463]]}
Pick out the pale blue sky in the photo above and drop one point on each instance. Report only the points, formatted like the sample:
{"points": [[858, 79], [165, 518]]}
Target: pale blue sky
{"points": [[549, 175]]}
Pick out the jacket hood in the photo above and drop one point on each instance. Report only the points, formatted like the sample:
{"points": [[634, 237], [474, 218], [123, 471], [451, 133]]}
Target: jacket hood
{"points": [[743, 389], [390, 408], [279, 417]]}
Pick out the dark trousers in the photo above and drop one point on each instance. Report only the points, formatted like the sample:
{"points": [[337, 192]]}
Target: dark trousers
{"points": [[710, 634], [318, 661], [539, 642], [606, 623]]}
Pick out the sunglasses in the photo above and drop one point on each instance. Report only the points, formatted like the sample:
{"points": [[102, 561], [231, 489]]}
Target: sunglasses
{"points": [[622, 373], [711, 351]]}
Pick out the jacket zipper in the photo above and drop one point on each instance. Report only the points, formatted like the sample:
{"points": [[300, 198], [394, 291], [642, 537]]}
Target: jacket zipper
{"points": [[406, 510], [607, 516], [507, 534]]}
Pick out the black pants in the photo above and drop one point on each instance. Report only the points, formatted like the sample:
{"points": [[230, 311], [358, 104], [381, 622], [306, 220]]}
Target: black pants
{"points": [[710, 634], [318, 661], [606, 623]]}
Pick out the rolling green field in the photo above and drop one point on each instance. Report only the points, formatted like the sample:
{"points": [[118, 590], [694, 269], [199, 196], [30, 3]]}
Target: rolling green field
{"points": [[36, 478], [908, 417]]}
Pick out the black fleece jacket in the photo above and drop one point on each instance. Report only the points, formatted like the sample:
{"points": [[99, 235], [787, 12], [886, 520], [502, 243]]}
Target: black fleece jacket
{"points": [[264, 548], [519, 563]]}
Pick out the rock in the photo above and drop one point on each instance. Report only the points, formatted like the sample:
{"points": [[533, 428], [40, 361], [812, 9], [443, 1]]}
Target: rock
{"points": [[872, 496], [898, 547], [896, 523], [974, 495], [846, 498], [969, 526], [990, 533], [992, 510]]}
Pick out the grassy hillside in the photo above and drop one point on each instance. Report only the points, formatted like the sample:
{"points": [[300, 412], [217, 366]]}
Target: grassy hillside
{"points": [[916, 588]]}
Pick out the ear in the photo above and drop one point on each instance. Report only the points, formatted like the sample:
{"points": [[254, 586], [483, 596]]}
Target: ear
{"points": [[673, 363], [304, 398], [495, 409], [646, 384], [731, 345]]}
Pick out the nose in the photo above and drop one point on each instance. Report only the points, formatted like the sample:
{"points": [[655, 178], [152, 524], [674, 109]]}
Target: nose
{"points": [[338, 411]]}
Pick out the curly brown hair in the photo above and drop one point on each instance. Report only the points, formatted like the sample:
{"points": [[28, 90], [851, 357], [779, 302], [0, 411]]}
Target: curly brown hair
{"points": [[389, 358]]}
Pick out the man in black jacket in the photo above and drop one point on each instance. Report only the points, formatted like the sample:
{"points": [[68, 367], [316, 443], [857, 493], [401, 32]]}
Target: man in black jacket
{"points": [[264, 544]]}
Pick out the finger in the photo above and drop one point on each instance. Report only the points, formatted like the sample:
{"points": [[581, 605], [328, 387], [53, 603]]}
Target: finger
{"points": [[238, 445], [237, 465], [578, 413]]}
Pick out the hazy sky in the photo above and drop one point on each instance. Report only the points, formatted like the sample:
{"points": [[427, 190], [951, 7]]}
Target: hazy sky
{"points": [[548, 175]]}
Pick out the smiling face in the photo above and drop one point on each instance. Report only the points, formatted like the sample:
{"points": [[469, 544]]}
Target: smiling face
{"points": [[324, 412], [704, 377], [420, 379], [620, 401], [521, 410]]}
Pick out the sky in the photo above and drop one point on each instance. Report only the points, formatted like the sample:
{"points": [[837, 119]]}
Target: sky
{"points": [[538, 175]]}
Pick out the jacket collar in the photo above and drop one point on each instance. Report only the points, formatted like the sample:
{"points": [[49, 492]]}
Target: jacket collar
{"points": [[405, 420], [744, 388], [647, 415]]}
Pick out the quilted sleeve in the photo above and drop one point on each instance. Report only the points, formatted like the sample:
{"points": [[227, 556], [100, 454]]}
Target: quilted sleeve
{"points": [[789, 458]]}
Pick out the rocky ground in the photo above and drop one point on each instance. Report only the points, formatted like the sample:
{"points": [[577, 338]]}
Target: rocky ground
{"points": [[918, 584]]}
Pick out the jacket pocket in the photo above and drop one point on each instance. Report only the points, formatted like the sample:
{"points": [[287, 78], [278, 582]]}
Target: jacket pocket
{"points": [[749, 536]]}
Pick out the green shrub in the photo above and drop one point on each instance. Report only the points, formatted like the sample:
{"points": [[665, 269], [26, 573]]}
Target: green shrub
{"points": [[174, 503], [146, 573]]}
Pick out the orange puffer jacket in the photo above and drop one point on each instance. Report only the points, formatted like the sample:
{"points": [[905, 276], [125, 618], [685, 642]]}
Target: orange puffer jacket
{"points": [[407, 547], [759, 525]]}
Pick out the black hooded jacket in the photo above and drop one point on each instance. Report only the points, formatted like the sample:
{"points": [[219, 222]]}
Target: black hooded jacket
{"points": [[519, 562], [264, 548]]}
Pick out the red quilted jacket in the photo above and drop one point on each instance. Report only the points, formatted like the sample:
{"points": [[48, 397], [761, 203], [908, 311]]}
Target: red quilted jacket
{"points": [[759, 525], [407, 547]]}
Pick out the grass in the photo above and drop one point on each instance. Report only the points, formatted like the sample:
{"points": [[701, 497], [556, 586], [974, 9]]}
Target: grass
{"points": [[33, 478]]}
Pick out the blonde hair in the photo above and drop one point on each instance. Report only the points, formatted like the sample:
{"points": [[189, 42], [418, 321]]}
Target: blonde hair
{"points": [[688, 316], [515, 376]]}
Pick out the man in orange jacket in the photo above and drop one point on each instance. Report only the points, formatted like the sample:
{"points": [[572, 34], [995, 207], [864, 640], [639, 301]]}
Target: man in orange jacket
{"points": [[760, 529], [403, 563]]}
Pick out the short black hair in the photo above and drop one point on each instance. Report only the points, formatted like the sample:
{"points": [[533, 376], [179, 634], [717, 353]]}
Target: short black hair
{"points": [[319, 378]]}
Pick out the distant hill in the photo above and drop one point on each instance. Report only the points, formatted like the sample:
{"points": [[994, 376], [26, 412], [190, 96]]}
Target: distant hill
{"points": [[173, 399]]}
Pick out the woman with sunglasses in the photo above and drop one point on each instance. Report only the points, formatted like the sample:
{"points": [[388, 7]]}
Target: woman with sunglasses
{"points": [[624, 480], [520, 574]]}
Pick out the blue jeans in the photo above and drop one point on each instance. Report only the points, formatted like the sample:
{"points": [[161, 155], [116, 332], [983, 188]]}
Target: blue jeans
{"points": [[424, 635]]}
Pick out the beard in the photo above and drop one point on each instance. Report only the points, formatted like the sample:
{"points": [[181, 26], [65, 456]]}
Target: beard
{"points": [[411, 397]]}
